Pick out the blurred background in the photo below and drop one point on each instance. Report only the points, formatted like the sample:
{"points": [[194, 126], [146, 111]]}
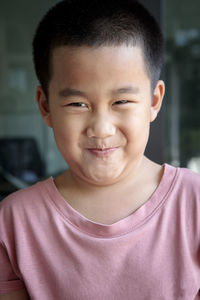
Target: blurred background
{"points": [[27, 150]]}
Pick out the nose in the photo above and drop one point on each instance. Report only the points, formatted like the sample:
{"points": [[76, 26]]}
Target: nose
{"points": [[101, 127]]}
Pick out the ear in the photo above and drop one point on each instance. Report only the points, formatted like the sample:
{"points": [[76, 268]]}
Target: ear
{"points": [[157, 99], [43, 106]]}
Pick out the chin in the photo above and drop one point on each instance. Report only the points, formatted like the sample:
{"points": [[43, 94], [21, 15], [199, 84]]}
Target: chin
{"points": [[102, 182], [102, 179]]}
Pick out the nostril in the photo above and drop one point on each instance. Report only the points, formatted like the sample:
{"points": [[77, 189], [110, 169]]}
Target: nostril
{"points": [[90, 133]]}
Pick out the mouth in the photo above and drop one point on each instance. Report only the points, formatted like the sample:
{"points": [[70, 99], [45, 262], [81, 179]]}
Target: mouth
{"points": [[102, 152]]}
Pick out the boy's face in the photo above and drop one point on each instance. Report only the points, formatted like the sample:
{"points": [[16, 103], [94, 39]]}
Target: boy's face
{"points": [[100, 107]]}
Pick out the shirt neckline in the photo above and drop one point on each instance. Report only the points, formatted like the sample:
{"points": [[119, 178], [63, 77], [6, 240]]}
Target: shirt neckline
{"points": [[121, 227]]}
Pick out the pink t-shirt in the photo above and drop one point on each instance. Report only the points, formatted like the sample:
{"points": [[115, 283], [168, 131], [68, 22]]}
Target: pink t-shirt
{"points": [[57, 253]]}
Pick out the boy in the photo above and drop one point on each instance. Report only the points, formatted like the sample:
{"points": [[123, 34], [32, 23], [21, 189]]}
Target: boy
{"points": [[115, 225]]}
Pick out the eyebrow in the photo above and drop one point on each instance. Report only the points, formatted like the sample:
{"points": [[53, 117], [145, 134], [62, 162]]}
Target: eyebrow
{"points": [[126, 90], [69, 92]]}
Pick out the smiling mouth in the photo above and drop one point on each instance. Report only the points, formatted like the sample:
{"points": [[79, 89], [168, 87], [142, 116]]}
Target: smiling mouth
{"points": [[102, 152]]}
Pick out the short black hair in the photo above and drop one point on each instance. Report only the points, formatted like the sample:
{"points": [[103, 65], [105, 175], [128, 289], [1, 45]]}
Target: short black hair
{"points": [[97, 23]]}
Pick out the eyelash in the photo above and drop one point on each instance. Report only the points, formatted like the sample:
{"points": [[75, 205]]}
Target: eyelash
{"points": [[122, 102], [77, 104], [80, 104]]}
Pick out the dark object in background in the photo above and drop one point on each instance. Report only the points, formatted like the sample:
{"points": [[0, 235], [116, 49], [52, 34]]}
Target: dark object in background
{"points": [[6, 187], [20, 163]]}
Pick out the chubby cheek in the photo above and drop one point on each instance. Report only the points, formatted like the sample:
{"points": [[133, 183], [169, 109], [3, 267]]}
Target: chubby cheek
{"points": [[67, 136], [136, 129]]}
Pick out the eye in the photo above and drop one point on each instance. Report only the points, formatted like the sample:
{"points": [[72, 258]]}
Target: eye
{"points": [[120, 102], [77, 104]]}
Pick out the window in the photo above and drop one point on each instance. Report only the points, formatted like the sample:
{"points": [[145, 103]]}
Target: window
{"points": [[182, 69], [26, 144]]}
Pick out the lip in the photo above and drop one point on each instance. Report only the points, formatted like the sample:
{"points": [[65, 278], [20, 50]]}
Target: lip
{"points": [[102, 152]]}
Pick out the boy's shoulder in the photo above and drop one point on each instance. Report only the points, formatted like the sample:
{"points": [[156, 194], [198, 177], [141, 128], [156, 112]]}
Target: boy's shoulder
{"points": [[182, 184], [25, 197], [185, 188], [182, 175], [189, 178]]}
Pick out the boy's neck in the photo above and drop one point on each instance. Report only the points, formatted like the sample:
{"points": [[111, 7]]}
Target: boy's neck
{"points": [[69, 180], [109, 204]]}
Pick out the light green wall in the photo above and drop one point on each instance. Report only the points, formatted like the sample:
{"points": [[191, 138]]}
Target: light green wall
{"points": [[19, 116]]}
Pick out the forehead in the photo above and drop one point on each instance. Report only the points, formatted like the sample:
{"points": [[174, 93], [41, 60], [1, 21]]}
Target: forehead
{"points": [[84, 64]]}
